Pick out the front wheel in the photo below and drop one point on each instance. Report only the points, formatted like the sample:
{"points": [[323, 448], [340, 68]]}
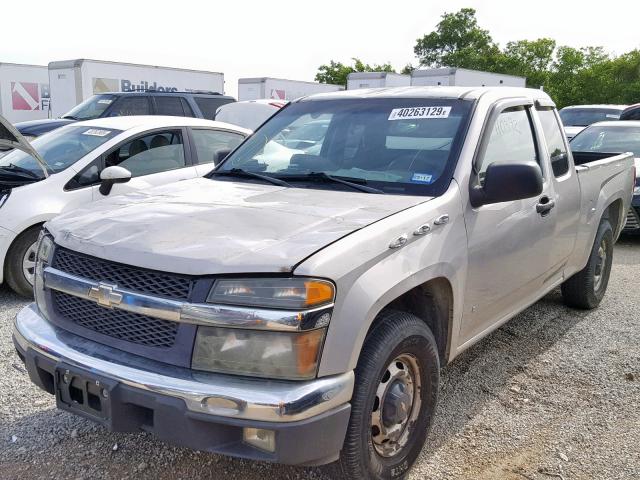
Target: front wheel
{"points": [[587, 287], [21, 262], [394, 399]]}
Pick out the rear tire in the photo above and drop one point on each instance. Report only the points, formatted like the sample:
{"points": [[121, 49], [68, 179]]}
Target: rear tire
{"points": [[394, 399], [20, 262], [586, 288]]}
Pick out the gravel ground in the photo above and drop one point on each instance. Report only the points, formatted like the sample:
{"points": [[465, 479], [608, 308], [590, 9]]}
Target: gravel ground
{"points": [[555, 393]]}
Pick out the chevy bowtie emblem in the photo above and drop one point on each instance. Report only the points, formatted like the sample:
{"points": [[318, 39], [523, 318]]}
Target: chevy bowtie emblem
{"points": [[104, 294]]}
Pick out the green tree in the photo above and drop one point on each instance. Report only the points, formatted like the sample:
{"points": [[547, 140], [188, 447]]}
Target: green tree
{"points": [[336, 73], [458, 41]]}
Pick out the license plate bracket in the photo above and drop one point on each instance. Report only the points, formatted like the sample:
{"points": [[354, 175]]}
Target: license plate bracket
{"points": [[83, 393]]}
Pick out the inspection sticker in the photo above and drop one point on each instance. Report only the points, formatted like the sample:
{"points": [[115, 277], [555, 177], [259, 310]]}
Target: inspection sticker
{"points": [[96, 132], [419, 112], [105, 101], [422, 178]]}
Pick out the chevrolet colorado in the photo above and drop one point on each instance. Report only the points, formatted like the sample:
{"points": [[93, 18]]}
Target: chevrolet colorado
{"points": [[297, 307]]}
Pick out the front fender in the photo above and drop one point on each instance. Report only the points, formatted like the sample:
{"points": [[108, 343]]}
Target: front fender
{"points": [[369, 274]]}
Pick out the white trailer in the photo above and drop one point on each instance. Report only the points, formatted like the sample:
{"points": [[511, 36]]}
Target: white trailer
{"points": [[73, 81], [24, 92], [377, 80], [463, 77], [280, 89]]}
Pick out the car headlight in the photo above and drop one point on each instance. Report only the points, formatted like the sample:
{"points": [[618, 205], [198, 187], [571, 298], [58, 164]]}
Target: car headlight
{"points": [[44, 257], [267, 348], [4, 196], [287, 293], [284, 355]]}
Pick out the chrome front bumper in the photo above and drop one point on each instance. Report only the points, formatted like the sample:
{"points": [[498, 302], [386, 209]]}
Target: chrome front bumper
{"points": [[214, 394]]}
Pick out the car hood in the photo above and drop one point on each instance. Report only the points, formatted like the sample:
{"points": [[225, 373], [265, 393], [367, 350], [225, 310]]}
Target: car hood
{"points": [[205, 226], [572, 131], [35, 128]]}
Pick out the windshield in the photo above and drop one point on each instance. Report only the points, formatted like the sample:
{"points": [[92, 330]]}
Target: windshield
{"points": [[59, 149], [608, 140], [582, 117], [397, 145], [91, 108]]}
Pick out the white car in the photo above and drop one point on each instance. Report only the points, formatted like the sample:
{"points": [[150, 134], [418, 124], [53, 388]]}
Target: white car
{"points": [[249, 113], [87, 161]]}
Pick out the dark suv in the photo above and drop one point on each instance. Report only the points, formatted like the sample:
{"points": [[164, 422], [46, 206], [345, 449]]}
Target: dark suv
{"points": [[180, 104]]}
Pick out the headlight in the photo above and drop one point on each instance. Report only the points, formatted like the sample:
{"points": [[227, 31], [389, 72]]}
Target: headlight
{"points": [[43, 259], [283, 339], [287, 293], [285, 355], [4, 196]]}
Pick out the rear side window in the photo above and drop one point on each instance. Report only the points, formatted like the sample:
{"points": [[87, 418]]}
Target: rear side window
{"points": [[208, 106], [511, 140], [131, 106], [555, 142], [210, 142], [169, 106]]}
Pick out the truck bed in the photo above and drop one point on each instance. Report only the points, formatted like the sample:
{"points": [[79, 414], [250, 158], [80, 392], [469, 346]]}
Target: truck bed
{"points": [[602, 176]]}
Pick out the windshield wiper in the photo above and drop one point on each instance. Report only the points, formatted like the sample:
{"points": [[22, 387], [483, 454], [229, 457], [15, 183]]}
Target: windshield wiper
{"points": [[69, 117], [16, 169], [325, 177], [238, 172]]}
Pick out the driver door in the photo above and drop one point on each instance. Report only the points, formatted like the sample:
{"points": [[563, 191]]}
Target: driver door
{"points": [[509, 243]]}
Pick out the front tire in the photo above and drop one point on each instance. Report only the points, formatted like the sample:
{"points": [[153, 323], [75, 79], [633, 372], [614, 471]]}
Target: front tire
{"points": [[586, 288], [394, 399], [21, 262]]}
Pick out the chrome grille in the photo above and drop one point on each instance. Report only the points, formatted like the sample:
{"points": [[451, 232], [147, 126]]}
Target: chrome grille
{"points": [[131, 278], [120, 324], [633, 222]]}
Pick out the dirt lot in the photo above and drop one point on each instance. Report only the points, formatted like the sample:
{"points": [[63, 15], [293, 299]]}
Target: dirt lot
{"points": [[555, 393]]}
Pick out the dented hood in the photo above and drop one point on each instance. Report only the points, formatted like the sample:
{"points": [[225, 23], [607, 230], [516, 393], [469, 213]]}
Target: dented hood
{"points": [[204, 226]]}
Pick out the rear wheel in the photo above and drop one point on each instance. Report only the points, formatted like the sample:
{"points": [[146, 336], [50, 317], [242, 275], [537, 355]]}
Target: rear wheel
{"points": [[394, 399], [21, 262], [587, 287]]}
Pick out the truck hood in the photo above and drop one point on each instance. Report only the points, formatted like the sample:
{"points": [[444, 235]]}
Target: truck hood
{"points": [[35, 128], [204, 226]]}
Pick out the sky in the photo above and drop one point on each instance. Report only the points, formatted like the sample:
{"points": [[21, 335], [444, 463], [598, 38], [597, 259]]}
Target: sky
{"points": [[289, 39]]}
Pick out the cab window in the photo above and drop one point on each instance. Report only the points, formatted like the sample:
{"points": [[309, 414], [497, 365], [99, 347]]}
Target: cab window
{"points": [[153, 153], [131, 106], [511, 140], [555, 141]]}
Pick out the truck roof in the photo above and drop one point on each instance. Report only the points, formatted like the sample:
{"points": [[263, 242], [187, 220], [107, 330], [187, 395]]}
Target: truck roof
{"points": [[433, 92], [436, 72], [153, 121]]}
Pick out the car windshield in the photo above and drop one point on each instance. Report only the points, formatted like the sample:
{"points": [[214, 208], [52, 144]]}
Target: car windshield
{"points": [[91, 108], [59, 149], [608, 139], [397, 145], [582, 117]]}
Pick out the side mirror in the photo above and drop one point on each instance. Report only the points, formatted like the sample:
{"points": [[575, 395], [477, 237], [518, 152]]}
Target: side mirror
{"points": [[220, 155], [506, 182], [112, 175]]}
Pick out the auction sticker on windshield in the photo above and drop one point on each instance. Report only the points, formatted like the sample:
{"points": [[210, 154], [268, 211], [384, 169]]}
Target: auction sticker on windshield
{"points": [[419, 112], [96, 132]]}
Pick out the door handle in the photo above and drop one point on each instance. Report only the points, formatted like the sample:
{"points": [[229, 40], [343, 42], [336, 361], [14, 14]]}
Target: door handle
{"points": [[545, 205]]}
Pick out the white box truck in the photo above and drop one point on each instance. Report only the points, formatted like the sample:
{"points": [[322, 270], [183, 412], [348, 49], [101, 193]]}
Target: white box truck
{"points": [[463, 77], [280, 89], [377, 80], [24, 92], [73, 81]]}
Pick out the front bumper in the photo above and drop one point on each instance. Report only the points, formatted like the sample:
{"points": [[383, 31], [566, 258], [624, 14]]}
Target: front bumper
{"points": [[200, 410]]}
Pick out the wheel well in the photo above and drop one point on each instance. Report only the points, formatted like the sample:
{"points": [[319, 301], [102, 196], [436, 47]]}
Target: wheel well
{"points": [[6, 258], [614, 214], [432, 302]]}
